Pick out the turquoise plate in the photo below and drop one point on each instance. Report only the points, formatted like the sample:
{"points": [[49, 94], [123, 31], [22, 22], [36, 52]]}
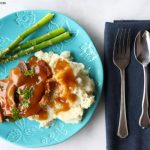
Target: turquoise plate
{"points": [[25, 132]]}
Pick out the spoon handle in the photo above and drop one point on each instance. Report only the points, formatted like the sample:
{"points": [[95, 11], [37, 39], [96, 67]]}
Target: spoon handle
{"points": [[144, 120], [122, 128]]}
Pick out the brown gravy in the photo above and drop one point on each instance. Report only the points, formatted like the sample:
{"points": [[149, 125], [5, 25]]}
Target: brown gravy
{"points": [[65, 77], [40, 86]]}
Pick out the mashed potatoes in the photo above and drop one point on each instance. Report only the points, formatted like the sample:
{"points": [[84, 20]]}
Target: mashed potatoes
{"points": [[82, 92]]}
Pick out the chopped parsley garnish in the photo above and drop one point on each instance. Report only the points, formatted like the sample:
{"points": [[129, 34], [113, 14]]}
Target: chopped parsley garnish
{"points": [[29, 72], [16, 114], [25, 103], [26, 94]]}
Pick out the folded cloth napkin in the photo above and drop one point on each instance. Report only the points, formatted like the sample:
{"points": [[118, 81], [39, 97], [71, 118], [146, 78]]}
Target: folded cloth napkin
{"points": [[138, 139]]}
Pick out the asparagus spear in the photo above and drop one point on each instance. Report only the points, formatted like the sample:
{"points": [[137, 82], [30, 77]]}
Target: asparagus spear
{"points": [[38, 47], [40, 39], [30, 30]]}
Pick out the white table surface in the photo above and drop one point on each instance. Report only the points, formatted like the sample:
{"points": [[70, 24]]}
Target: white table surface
{"points": [[92, 15]]}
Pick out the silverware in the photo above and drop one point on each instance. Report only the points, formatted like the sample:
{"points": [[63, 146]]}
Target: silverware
{"points": [[121, 58], [142, 54]]}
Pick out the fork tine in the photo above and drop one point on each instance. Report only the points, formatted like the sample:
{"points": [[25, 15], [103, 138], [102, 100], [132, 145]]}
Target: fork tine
{"points": [[115, 50], [128, 44], [120, 42], [123, 42]]}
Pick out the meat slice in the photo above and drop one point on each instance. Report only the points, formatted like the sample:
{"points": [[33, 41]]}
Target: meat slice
{"points": [[22, 66], [7, 93], [44, 101], [1, 115], [10, 99], [45, 67]]}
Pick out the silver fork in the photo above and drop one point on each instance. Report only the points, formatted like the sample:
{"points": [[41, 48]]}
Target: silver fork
{"points": [[121, 58]]}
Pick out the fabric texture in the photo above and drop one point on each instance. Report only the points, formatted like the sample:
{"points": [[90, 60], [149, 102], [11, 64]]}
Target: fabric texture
{"points": [[138, 139]]}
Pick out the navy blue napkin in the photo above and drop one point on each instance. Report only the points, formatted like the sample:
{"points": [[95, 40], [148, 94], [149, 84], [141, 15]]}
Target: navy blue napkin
{"points": [[138, 139]]}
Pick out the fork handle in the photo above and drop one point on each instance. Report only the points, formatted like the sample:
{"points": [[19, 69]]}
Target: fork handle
{"points": [[122, 127], [144, 120]]}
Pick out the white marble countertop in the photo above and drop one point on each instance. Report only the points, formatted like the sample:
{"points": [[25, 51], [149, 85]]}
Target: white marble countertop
{"points": [[92, 15]]}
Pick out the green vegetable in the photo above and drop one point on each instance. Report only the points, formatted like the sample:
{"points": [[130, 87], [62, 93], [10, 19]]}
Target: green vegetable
{"points": [[30, 30], [40, 39], [38, 47], [16, 114], [29, 72], [26, 94], [25, 103]]}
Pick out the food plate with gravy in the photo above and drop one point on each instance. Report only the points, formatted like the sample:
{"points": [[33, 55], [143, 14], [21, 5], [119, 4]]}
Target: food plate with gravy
{"points": [[51, 78]]}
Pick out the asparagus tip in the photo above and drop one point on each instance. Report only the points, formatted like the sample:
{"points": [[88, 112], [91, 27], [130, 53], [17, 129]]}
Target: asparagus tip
{"points": [[51, 14]]}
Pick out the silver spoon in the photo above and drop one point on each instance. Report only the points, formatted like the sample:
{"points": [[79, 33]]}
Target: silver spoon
{"points": [[142, 54]]}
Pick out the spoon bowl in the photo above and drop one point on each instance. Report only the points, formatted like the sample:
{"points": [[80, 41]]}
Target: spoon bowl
{"points": [[142, 47]]}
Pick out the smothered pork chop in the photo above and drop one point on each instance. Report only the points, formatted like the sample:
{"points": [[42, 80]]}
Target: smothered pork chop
{"points": [[46, 87]]}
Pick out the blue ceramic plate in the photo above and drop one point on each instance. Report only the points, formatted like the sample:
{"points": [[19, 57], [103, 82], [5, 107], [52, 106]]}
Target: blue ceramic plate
{"points": [[25, 132]]}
